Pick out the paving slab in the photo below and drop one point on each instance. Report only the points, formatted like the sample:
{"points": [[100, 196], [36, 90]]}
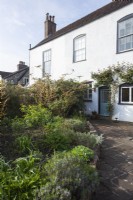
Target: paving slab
{"points": [[116, 160]]}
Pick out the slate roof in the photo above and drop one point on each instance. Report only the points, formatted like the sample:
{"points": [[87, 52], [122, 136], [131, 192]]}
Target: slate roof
{"points": [[101, 12], [4, 74], [22, 72]]}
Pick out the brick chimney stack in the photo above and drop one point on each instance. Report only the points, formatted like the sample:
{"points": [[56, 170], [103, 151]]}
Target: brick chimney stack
{"points": [[21, 65], [50, 26]]}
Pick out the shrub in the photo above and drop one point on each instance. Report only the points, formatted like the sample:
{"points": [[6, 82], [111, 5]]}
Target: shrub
{"points": [[89, 140], [17, 95], [3, 99], [62, 97], [76, 124], [23, 144], [83, 152], [68, 176], [18, 125], [36, 116], [57, 141], [5, 125]]}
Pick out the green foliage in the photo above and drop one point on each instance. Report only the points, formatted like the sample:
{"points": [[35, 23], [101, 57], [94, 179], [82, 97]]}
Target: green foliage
{"points": [[43, 91], [18, 124], [23, 144], [63, 97], [104, 77], [127, 74], [83, 152], [112, 77], [21, 180], [89, 140], [124, 71], [3, 99], [5, 125], [17, 95], [76, 124], [57, 141], [36, 116], [68, 177]]}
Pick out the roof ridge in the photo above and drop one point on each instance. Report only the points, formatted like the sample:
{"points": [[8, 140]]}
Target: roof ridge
{"points": [[100, 12], [12, 73]]}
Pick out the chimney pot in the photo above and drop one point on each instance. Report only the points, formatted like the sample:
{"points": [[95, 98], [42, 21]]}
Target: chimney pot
{"points": [[53, 18], [47, 16]]}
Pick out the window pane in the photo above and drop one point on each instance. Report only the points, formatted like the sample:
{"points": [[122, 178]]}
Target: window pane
{"points": [[47, 67], [125, 35], [125, 94], [46, 62], [47, 56], [128, 42], [122, 29], [128, 26], [88, 93], [79, 49], [122, 44], [131, 94]]}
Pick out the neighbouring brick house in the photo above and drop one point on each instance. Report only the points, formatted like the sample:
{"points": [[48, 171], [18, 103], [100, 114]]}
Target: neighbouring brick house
{"points": [[21, 76]]}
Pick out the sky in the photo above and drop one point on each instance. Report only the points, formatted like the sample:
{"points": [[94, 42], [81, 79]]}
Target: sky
{"points": [[22, 23]]}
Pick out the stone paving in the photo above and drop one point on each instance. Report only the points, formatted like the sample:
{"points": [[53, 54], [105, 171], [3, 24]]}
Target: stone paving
{"points": [[116, 160]]}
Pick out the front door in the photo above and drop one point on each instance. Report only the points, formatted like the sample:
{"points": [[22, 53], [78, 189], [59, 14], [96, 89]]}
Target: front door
{"points": [[104, 95]]}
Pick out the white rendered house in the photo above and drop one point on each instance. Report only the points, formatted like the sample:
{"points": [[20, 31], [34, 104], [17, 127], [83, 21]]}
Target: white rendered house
{"points": [[93, 42]]}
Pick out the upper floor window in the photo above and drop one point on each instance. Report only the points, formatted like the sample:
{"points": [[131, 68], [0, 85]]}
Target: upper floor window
{"points": [[47, 62], [79, 48], [125, 33]]}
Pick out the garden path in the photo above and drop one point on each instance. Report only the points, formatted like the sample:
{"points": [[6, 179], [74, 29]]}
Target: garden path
{"points": [[116, 160]]}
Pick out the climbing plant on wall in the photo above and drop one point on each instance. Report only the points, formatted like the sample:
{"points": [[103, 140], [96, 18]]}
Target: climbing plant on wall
{"points": [[112, 77]]}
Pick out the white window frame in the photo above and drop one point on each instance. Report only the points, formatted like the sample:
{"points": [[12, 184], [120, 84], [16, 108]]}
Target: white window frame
{"points": [[44, 73], [125, 36], [89, 92], [130, 95], [79, 49]]}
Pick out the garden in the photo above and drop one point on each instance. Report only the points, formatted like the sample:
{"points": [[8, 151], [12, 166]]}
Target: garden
{"points": [[46, 148]]}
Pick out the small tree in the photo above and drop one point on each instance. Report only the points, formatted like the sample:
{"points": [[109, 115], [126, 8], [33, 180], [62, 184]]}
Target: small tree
{"points": [[62, 97]]}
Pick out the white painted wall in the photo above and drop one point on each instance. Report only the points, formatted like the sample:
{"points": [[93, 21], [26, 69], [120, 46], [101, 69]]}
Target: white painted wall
{"points": [[101, 37]]}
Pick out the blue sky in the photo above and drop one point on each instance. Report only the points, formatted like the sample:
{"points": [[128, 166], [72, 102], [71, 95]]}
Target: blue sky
{"points": [[22, 23]]}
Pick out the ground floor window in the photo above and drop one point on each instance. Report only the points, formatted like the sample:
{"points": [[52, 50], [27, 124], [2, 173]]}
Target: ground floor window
{"points": [[88, 93], [126, 94]]}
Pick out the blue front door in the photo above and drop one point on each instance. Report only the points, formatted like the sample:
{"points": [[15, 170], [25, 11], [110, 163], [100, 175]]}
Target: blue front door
{"points": [[104, 96]]}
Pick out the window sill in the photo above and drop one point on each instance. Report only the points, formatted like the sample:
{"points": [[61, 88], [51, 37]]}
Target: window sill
{"points": [[79, 61], [87, 100], [130, 104], [124, 51]]}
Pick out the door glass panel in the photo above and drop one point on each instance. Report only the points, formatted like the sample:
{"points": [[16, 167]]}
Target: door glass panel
{"points": [[104, 96]]}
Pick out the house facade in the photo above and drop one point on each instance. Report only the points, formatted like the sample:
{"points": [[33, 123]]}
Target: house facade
{"points": [[92, 43]]}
